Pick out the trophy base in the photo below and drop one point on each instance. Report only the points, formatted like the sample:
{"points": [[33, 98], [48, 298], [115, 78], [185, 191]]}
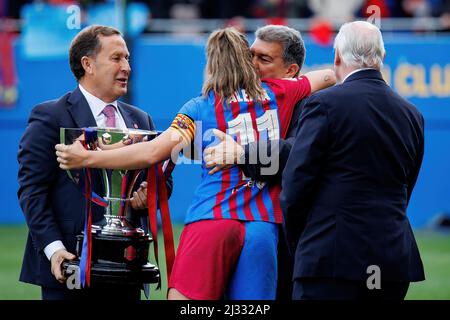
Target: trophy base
{"points": [[117, 260], [131, 251], [119, 274]]}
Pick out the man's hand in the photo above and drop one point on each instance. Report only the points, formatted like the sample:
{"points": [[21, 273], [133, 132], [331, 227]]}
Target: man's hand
{"points": [[56, 262], [225, 154], [139, 200]]}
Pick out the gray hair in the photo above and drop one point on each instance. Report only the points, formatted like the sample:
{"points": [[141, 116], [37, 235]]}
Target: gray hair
{"points": [[290, 39], [360, 45]]}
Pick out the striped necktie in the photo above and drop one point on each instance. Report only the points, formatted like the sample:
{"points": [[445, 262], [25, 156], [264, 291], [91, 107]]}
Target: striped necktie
{"points": [[110, 112]]}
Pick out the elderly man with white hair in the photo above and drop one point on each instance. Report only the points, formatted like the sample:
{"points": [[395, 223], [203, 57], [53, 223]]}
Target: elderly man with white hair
{"points": [[349, 179]]}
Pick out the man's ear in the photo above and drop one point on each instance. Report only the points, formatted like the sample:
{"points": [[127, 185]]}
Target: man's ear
{"points": [[292, 71], [337, 58], [86, 63]]}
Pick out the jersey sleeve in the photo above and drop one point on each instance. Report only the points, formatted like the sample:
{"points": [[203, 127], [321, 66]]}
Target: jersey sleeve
{"points": [[300, 87], [295, 88], [184, 121], [288, 92]]}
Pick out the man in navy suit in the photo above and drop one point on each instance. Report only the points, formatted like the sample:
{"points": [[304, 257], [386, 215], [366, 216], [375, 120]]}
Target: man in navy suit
{"points": [[349, 178], [54, 206]]}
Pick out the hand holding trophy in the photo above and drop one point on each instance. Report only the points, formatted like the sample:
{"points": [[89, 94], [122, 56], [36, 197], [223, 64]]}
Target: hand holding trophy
{"points": [[113, 249]]}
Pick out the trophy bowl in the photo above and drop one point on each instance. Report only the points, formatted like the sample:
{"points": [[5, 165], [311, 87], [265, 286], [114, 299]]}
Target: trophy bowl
{"points": [[119, 248]]}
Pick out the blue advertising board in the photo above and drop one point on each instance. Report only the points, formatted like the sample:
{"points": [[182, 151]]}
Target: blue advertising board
{"points": [[168, 71]]}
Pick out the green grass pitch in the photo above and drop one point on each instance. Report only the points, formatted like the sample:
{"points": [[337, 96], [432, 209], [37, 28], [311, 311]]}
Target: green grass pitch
{"points": [[434, 248]]}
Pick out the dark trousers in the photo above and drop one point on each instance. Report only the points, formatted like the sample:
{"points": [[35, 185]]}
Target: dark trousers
{"points": [[285, 270], [100, 292], [340, 289]]}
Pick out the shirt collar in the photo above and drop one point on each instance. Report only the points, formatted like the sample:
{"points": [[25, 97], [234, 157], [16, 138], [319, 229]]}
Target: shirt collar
{"points": [[97, 105], [355, 71]]}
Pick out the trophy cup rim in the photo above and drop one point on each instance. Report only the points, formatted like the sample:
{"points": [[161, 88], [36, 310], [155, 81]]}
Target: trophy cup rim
{"points": [[119, 130]]}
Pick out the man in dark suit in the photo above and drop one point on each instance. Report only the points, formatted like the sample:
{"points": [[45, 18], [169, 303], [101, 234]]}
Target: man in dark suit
{"points": [[53, 205], [349, 178]]}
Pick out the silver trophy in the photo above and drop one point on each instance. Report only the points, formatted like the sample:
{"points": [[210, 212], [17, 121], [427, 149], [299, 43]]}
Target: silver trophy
{"points": [[119, 247]]}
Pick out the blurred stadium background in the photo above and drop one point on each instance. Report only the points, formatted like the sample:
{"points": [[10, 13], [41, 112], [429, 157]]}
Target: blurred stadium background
{"points": [[166, 39]]}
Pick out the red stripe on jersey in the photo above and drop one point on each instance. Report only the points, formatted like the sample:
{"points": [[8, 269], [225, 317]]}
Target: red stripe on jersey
{"points": [[261, 206], [222, 126], [247, 190], [297, 89], [251, 109], [259, 197], [259, 200], [235, 110], [284, 109], [247, 199], [274, 192], [266, 105]]}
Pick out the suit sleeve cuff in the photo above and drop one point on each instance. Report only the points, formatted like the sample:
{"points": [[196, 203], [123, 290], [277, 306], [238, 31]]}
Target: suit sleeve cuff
{"points": [[50, 249]]}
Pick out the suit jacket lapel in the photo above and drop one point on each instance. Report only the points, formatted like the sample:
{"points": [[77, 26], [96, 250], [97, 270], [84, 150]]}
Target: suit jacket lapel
{"points": [[80, 111], [82, 116], [128, 116]]}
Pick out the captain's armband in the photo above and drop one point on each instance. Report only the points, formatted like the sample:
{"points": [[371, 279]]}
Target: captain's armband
{"points": [[185, 127]]}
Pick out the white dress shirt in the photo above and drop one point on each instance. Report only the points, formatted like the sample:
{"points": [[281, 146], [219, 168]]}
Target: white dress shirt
{"points": [[96, 106]]}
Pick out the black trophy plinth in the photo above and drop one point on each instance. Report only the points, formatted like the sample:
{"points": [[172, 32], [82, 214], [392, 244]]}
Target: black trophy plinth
{"points": [[117, 260], [119, 249]]}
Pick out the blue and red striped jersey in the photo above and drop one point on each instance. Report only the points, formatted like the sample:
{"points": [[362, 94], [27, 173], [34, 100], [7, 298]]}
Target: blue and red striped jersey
{"points": [[228, 194]]}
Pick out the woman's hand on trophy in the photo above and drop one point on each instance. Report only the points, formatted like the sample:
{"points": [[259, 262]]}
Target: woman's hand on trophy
{"points": [[139, 199], [72, 156]]}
